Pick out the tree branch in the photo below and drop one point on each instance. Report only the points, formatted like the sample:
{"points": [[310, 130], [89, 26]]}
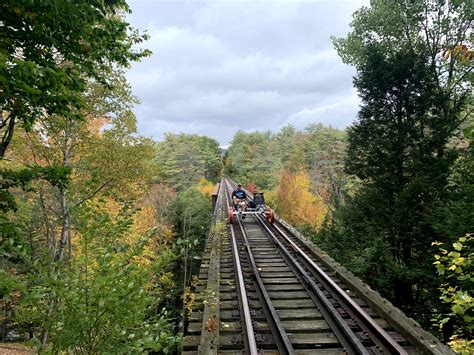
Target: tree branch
{"points": [[459, 80], [94, 193]]}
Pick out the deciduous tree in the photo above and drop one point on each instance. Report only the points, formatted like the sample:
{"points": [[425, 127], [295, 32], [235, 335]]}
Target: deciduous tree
{"points": [[48, 51]]}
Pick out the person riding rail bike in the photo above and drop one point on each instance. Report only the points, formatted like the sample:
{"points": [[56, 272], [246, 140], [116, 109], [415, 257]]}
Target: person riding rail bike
{"points": [[239, 199]]}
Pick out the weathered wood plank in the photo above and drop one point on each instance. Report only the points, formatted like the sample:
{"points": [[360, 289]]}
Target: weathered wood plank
{"points": [[208, 342]]}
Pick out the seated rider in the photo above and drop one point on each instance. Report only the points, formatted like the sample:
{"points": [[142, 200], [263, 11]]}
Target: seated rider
{"points": [[238, 199]]}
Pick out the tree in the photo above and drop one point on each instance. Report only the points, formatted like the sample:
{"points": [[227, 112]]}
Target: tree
{"points": [[454, 215], [325, 151], [51, 53], [48, 52], [413, 103], [296, 203], [106, 300], [183, 159], [75, 236], [191, 215], [100, 160], [256, 157]]}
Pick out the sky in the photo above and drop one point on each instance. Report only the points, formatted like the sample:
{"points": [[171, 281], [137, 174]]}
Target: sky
{"points": [[221, 66]]}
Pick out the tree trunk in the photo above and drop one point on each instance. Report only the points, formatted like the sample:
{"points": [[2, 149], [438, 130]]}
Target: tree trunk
{"points": [[8, 134], [44, 339], [50, 235], [64, 240]]}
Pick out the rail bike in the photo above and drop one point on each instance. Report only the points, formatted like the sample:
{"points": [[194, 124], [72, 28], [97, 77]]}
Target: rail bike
{"points": [[252, 206]]}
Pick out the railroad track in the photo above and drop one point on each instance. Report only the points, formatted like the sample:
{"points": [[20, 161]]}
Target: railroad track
{"points": [[276, 297]]}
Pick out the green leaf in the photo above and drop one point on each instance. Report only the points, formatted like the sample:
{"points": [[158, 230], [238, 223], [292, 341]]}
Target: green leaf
{"points": [[457, 246], [457, 309]]}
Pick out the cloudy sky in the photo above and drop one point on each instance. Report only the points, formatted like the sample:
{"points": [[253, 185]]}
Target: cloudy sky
{"points": [[221, 66]]}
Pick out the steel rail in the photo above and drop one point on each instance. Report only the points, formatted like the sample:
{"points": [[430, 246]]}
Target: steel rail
{"points": [[279, 334], [339, 327], [368, 321], [379, 333], [249, 335]]}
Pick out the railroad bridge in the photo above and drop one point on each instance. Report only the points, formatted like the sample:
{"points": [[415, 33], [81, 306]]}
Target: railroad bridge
{"points": [[264, 288]]}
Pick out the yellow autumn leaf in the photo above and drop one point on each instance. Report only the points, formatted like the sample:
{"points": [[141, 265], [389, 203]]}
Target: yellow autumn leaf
{"points": [[205, 187], [467, 55], [456, 51]]}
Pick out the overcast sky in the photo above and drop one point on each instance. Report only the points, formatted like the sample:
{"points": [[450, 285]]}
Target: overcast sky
{"points": [[221, 66]]}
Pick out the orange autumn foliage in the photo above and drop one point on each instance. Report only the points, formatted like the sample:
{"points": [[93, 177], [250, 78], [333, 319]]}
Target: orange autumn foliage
{"points": [[296, 203]]}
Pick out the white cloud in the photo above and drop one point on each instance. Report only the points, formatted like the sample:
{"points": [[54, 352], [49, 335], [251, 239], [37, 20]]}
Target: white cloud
{"points": [[338, 113], [220, 66]]}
